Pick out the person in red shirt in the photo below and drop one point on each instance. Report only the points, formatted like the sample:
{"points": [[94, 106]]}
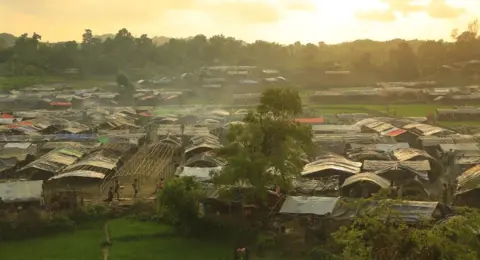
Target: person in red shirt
{"points": [[160, 185]]}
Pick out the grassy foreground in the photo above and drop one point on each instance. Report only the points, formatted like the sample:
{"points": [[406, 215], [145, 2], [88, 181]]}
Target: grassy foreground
{"points": [[130, 239]]}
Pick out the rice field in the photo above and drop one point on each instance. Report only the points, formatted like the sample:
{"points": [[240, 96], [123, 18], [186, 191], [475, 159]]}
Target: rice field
{"points": [[130, 240]]}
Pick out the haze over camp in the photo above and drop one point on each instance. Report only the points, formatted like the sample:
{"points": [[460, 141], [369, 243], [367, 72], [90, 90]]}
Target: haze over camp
{"points": [[239, 130]]}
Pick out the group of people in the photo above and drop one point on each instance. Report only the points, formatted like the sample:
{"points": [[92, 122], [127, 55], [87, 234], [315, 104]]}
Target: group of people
{"points": [[114, 191]]}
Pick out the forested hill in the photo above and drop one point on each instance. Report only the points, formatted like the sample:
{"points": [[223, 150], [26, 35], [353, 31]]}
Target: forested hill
{"points": [[361, 61], [8, 40]]}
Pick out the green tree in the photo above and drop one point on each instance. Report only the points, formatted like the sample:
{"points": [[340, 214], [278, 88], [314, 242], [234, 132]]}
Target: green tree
{"points": [[27, 59], [467, 44], [91, 52], [431, 56], [379, 232], [403, 62], [267, 149], [178, 202]]}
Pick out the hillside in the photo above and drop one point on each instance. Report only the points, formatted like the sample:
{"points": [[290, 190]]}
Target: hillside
{"points": [[7, 39]]}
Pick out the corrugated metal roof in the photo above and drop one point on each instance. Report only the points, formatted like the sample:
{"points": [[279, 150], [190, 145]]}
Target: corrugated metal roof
{"points": [[459, 111], [333, 163], [408, 211], [309, 205], [176, 130], [306, 186], [366, 121], [424, 129], [204, 157], [59, 158], [405, 154], [353, 115], [334, 159], [79, 173], [381, 147], [467, 160], [428, 141], [336, 128], [210, 146], [369, 165], [346, 138], [469, 180], [361, 155], [459, 147], [367, 177]]}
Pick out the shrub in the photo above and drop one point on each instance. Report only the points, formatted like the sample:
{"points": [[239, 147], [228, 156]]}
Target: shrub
{"points": [[373, 235], [178, 203], [32, 223], [88, 213]]}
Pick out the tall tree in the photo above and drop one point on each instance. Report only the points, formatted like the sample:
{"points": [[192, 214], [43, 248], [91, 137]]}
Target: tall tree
{"points": [[431, 56], [267, 150], [403, 62]]}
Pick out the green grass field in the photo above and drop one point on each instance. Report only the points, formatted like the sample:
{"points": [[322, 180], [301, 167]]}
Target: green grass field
{"points": [[130, 240]]}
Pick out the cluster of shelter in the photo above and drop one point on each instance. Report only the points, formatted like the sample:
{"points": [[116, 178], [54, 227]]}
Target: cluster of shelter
{"points": [[92, 148], [215, 77], [429, 168], [385, 93], [85, 150], [50, 148], [62, 98]]}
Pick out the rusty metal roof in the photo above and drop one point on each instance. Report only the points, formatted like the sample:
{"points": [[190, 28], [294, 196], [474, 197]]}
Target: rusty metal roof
{"points": [[369, 165], [332, 163], [469, 180], [380, 147], [405, 154]]}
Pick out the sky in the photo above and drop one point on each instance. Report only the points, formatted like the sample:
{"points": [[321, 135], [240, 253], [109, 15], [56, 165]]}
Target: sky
{"points": [[283, 21]]}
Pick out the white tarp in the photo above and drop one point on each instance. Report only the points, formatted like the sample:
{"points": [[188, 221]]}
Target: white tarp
{"points": [[309, 205], [197, 172], [21, 191], [80, 174], [18, 145]]}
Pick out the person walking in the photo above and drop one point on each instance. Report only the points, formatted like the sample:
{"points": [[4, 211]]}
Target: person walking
{"points": [[160, 184], [116, 189], [445, 194], [135, 188], [109, 196], [159, 187]]}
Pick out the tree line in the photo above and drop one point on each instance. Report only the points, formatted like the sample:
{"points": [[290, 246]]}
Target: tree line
{"points": [[365, 60]]}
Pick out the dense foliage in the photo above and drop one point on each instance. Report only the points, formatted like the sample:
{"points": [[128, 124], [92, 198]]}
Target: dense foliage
{"points": [[178, 202], [268, 148], [304, 63], [381, 233]]}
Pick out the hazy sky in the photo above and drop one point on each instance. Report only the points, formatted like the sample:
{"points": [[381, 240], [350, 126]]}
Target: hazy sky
{"points": [[284, 21]]}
